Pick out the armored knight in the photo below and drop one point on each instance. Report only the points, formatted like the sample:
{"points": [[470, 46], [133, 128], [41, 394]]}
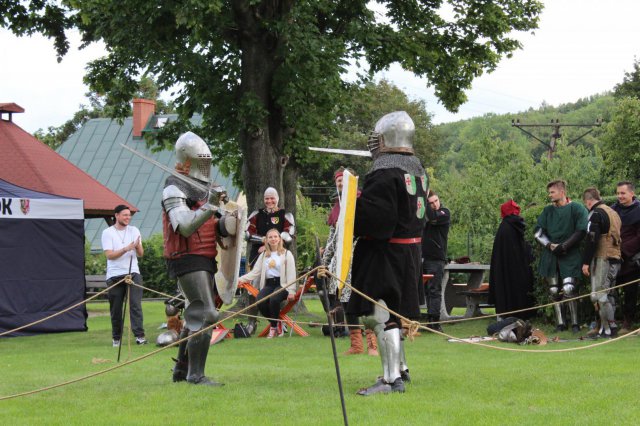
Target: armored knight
{"points": [[390, 217], [191, 222], [561, 227]]}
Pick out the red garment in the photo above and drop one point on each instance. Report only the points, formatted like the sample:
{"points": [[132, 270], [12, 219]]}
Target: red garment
{"points": [[333, 215], [509, 208], [202, 242], [335, 211]]}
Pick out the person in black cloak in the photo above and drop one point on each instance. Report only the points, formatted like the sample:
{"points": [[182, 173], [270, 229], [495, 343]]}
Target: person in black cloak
{"points": [[511, 277]]}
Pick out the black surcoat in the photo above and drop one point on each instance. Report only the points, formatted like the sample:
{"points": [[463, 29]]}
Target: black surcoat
{"points": [[389, 219]]}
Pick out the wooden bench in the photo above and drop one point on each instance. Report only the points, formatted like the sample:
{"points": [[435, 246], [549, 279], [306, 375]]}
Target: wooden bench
{"points": [[95, 284]]}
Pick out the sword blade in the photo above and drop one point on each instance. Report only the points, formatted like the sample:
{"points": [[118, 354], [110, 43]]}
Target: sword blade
{"points": [[169, 170], [357, 152]]}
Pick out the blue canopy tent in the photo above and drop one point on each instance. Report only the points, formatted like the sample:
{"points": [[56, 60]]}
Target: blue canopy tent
{"points": [[41, 261]]}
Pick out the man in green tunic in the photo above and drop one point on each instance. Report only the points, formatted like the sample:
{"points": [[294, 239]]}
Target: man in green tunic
{"points": [[561, 227]]}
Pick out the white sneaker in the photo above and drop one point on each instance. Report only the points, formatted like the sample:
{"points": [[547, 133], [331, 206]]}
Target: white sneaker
{"points": [[141, 341], [116, 343], [272, 333]]}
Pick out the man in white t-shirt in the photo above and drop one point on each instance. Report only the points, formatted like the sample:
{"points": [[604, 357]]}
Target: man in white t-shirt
{"points": [[122, 247]]}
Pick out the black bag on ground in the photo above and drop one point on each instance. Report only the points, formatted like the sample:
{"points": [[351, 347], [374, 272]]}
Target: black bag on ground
{"points": [[240, 331], [337, 316]]}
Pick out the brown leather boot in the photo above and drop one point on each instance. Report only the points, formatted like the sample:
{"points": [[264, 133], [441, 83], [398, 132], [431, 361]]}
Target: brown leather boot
{"points": [[372, 343], [356, 342]]}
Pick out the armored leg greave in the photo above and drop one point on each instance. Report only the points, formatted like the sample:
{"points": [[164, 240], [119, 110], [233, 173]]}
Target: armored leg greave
{"points": [[554, 295], [199, 313], [569, 292], [391, 353]]}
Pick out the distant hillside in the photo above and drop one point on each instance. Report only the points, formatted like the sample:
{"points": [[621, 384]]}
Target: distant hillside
{"points": [[584, 111]]}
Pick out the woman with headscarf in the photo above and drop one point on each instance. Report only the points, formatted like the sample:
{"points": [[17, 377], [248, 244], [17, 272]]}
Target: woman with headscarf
{"points": [[511, 275]]}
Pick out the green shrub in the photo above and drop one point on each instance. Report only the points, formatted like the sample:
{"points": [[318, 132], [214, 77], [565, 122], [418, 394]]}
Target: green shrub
{"points": [[311, 221], [94, 264]]}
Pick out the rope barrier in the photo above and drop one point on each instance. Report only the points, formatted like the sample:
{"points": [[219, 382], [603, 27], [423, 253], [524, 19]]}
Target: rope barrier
{"points": [[415, 324], [152, 353], [412, 324], [504, 314], [22, 327], [539, 306]]}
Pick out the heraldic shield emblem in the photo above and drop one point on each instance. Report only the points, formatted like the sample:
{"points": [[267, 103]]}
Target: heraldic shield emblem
{"points": [[24, 206], [410, 183], [421, 208]]}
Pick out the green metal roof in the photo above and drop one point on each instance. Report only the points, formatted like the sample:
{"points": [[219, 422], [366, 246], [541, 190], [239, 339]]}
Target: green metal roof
{"points": [[95, 148]]}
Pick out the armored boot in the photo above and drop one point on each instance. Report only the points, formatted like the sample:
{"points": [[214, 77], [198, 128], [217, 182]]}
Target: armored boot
{"points": [[573, 312], [560, 325], [181, 367], [372, 343], [197, 350], [390, 354], [395, 350], [356, 342]]}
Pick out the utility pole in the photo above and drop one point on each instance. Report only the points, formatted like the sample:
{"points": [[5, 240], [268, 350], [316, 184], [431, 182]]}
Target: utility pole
{"points": [[555, 135]]}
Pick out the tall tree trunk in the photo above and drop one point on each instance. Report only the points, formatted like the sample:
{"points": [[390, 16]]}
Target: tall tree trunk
{"points": [[261, 146], [290, 185]]}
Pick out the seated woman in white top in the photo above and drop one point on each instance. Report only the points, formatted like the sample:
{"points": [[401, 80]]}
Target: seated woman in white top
{"points": [[276, 268]]}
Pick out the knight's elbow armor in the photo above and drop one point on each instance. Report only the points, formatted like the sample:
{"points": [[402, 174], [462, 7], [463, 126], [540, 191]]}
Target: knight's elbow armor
{"points": [[287, 236], [184, 220], [541, 238]]}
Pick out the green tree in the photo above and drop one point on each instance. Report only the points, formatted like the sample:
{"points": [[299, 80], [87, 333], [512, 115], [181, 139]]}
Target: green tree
{"points": [[497, 171], [266, 75], [630, 86], [621, 149], [47, 17], [356, 118]]}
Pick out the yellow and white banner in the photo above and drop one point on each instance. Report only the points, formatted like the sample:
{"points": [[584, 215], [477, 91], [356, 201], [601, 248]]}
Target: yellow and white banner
{"points": [[344, 226]]}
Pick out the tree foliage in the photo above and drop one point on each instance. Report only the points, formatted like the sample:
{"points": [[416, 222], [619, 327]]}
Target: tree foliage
{"points": [[630, 86], [622, 141], [47, 17], [497, 171], [355, 119], [266, 75]]}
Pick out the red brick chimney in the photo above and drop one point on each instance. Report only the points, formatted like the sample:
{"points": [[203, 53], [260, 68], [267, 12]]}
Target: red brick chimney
{"points": [[143, 109]]}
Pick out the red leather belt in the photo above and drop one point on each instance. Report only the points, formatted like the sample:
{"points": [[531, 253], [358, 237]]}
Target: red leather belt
{"points": [[400, 240], [405, 240]]}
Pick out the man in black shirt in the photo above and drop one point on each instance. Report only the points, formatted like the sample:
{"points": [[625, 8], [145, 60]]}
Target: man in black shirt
{"points": [[434, 255]]}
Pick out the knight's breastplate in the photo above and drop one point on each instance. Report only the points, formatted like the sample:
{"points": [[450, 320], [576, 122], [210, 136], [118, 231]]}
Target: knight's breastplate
{"points": [[201, 243]]}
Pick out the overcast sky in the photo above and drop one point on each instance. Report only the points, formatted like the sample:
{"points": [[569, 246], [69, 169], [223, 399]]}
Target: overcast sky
{"points": [[583, 47]]}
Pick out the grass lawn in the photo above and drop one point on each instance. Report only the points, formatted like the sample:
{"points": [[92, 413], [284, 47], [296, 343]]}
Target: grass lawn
{"points": [[292, 381]]}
